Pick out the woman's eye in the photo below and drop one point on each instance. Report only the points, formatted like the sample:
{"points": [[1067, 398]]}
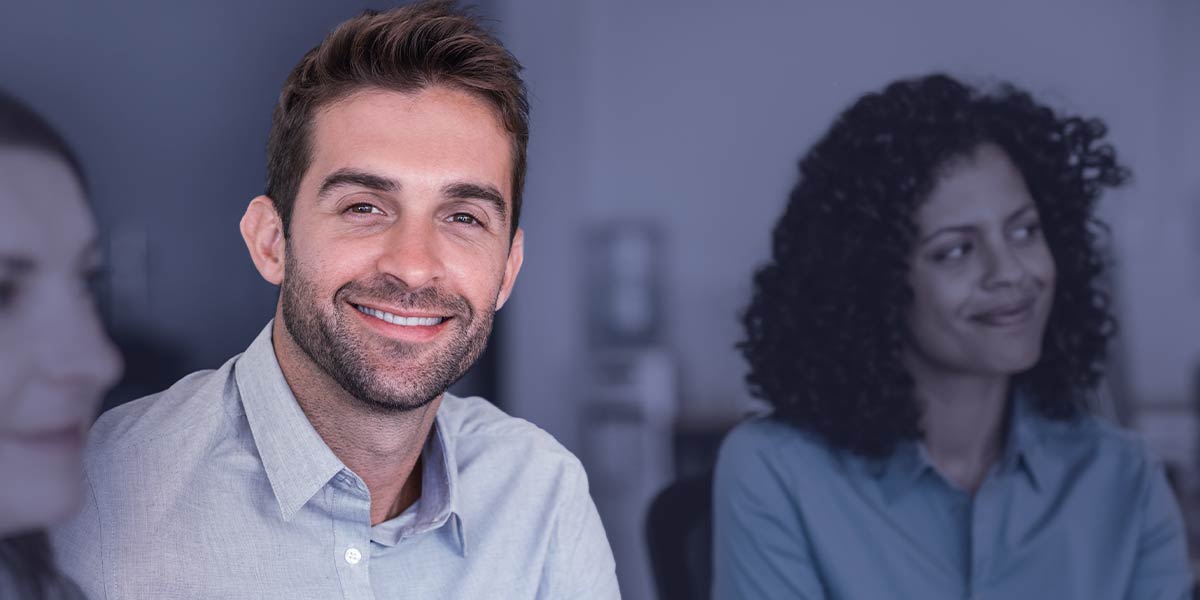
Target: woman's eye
{"points": [[952, 253], [1027, 232], [363, 208]]}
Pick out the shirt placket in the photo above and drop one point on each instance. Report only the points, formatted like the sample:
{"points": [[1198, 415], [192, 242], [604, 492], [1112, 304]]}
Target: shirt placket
{"points": [[352, 536], [984, 519]]}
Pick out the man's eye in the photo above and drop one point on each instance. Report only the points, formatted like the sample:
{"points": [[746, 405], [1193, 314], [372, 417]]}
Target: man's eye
{"points": [[363, 208], [465, 219]]}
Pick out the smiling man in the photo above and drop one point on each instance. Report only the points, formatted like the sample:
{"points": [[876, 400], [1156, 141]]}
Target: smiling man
{"points": [[328, 461]]}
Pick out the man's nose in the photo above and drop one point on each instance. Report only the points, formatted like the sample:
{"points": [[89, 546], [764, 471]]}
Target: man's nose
{"points": [[412, 254]]}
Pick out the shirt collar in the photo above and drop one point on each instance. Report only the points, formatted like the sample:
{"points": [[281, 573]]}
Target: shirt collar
{"points": [[297, 461], [438, 505], [1024, 449], [1023, 452], [443, 478], [899, 471]]}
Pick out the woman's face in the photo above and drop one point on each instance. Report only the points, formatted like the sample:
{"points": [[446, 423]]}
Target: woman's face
{"points": [[981, 272], [55, 360]]}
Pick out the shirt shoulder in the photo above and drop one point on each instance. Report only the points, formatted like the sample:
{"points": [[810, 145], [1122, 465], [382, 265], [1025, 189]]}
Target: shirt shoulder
{"points": [[1091, 441], [507, 465], [768, 465], [772, 444], [477, 426], [196, 404]]}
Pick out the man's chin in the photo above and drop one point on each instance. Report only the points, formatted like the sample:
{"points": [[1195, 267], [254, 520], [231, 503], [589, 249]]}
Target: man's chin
{"points": [[402, 387], [392, 353], [392, 404]]}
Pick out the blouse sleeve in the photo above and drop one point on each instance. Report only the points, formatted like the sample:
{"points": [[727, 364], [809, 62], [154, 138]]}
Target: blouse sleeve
{"points": [[1162, 569], [760, 546]]}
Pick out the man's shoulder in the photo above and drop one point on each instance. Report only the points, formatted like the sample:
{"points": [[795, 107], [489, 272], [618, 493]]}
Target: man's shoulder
{"points": [[478, 427], [192, 403], [509, 468]]}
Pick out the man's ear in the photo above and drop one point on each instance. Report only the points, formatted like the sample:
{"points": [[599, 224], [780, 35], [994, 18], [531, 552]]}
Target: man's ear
{"points": [[516, 256], [262, 229]]}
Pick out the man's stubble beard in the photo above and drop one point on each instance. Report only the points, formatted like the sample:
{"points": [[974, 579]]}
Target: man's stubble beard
{"points": [[327, 339]]}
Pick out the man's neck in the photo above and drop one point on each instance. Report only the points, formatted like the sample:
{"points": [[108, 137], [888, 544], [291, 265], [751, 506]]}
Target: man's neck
{"points": [[963, 418], [383, 448]]}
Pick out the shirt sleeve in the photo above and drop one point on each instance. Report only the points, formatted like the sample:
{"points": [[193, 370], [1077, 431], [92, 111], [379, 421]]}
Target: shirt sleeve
{"points": [[78, 546], [760, 546], [581, 563], [1162, 570]]}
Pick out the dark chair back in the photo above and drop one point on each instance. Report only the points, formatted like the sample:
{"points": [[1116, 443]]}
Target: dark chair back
{"points": [[679, 535]]}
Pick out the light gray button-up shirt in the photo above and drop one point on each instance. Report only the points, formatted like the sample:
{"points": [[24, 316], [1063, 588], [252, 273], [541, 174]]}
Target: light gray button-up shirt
{"points": [[219, 487], [1071, 511]]}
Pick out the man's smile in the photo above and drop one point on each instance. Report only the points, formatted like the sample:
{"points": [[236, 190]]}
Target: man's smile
{"points": [[403, 325], [406, 319]]}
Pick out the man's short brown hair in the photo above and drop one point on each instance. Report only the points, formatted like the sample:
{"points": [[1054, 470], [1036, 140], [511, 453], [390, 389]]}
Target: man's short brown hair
{"points": [[405, 50]]}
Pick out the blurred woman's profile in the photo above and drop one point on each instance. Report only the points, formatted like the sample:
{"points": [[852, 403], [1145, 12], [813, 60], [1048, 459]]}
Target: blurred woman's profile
{"points": [[55, 359], [929, 332]]}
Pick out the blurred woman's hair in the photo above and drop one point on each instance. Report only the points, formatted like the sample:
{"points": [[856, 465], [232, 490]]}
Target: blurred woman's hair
{"points": [[826, 327], [22, 127], [26, 562]]}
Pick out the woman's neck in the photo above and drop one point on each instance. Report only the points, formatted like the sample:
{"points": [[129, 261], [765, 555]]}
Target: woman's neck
{"points": [[963, 422]]}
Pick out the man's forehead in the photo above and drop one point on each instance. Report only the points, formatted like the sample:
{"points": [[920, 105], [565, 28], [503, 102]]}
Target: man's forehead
{"points": [[436, 108], [399, 134]]}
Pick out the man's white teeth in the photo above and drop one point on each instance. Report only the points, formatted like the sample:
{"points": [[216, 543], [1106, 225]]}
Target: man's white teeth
{"points": [[398, 320]]}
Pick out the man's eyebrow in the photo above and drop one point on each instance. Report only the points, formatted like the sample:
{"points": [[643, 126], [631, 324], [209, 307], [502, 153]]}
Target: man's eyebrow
{"points": [[474, 191], [356, 178], [16, 264]]}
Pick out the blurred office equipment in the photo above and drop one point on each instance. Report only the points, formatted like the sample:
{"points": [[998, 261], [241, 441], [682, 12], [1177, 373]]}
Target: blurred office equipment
{"points": [[630, 388]]}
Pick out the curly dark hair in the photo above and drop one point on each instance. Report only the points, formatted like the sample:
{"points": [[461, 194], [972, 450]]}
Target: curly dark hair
{"points": [[825, 328]]}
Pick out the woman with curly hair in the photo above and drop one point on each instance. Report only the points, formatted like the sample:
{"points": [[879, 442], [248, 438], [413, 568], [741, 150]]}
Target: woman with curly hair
{"points": [[929, 330], [55, 359]]}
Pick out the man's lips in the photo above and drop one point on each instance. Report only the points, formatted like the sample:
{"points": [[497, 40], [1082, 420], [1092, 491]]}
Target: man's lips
{"points": [[1013, 313], [407, 326], [401, 317]]}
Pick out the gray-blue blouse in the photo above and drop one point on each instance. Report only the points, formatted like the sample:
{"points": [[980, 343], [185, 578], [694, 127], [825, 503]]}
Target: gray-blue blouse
{"points": [[1070, 510]]}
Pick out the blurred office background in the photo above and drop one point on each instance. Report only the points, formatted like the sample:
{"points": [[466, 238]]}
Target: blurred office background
{"points": [[665, 137]]}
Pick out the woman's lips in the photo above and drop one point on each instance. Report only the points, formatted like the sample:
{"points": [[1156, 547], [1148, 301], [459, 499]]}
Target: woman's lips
{"points": [[1007, 315]]}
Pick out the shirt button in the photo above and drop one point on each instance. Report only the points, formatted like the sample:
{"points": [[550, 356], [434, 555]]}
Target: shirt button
{"points": [[353, 555]]}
